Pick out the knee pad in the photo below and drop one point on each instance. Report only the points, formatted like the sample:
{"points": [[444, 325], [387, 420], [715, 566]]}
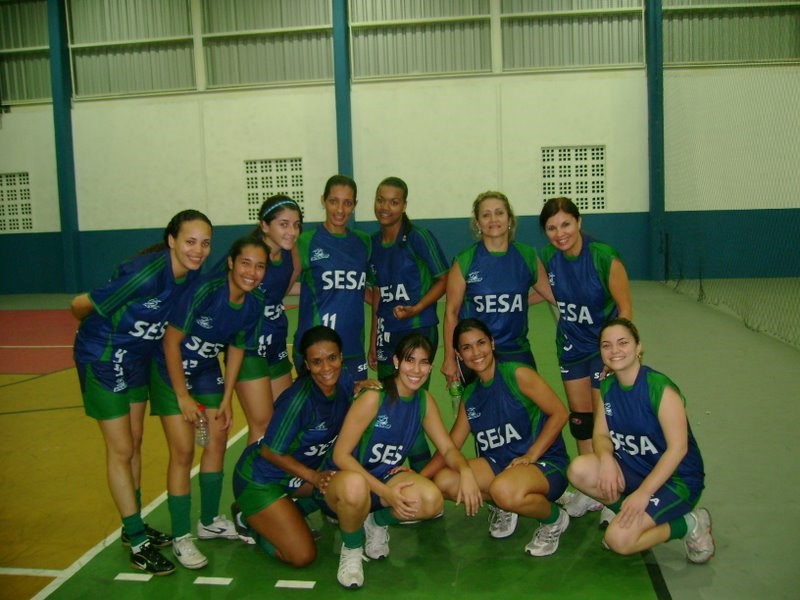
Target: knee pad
{"points": [[581, 425]]}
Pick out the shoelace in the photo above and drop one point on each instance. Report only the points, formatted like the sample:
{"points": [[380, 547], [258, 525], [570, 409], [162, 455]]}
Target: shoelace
{"points": [[499, 519]]}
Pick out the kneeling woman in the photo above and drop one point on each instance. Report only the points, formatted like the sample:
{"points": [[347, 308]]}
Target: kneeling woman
{"points": [[186, 380], [516, 420], [646, 465], [282, 466], [373, 490]]}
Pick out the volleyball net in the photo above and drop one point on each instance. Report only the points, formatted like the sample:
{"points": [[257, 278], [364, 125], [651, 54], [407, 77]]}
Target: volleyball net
{"points": [[732, 174]]}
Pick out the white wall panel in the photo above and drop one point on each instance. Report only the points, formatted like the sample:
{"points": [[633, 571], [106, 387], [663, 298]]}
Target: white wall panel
{"points": [[27, 145], [731, 138], [138, 162], [452, 140]]}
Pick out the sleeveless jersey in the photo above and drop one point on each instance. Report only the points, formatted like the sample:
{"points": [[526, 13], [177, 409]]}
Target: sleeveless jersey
{"points": [[131, 309], [404, 271], [305, 425], [211, 322], [333, 278], [271, 291], [632, 417], [581, 289], [496, 292], [385, 444], [504, 422], [275, 324]]}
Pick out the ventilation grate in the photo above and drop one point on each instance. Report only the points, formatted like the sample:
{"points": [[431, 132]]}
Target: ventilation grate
{"points": [[266, 177], [577, 172], [16, 211]]}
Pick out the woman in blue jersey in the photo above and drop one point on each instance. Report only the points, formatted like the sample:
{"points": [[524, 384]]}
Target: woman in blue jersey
{"points": [[516, 420], [408, 272], [122, 324], [275, 476], [491, 281], [186, 385], [372, 489], [646, 463], [267, 371], [590, 286], [334, 261]]}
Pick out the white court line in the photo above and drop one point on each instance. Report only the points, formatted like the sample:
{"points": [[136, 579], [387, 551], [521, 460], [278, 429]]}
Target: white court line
{"points": [[295, 584], [30, 572], [113, 538], [133, 577], [213, 580]]}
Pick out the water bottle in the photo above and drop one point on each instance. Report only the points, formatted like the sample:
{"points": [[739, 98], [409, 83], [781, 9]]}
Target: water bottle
{"points": [[201, 431], [455, 389]]}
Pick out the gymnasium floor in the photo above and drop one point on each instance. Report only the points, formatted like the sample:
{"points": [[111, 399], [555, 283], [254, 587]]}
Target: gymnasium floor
{"points": [[60, 530]]}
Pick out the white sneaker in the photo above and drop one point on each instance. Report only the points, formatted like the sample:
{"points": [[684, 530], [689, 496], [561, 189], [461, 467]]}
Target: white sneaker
{"points": [[187, 553], [545, 539], [377, 544], [501, 523], [698, 542], [221, 528], [351, 568], [579, 504], [606, 516]]}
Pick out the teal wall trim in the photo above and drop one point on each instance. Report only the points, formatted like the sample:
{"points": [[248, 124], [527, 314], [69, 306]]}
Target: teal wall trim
{"points": [[655, 142], [341, 80], [713, 244], [65, 156]]}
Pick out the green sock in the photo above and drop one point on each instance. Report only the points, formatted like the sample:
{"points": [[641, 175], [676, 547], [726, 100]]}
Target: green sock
{"points": [[180, 509], [266, 546], [554, 514], [210, 494], [615, 506], [678, 528], [353, 539], [133, 526], [384, 516], [139, 499]]}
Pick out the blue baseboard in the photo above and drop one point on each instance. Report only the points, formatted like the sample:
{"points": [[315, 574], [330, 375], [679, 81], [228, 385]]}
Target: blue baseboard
{"points": [[702, 244]]}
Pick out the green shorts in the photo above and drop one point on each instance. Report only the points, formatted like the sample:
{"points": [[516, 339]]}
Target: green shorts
{"points": [[101, 399], [280, 368], [255, 497], [164, 402], [253, 367]]}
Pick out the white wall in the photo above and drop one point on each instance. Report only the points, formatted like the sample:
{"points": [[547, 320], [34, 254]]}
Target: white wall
{"points": [[731, 143], [452, 139], [731, 138], [141, 160], [27, 144]]}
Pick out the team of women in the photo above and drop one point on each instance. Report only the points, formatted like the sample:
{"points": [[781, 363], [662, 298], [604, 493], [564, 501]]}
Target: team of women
{"points": [[356, 448]]}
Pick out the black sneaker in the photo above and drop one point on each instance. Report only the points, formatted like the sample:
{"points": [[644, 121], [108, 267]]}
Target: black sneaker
{"points": [[246, 534], [149, 559], [154, 536]]}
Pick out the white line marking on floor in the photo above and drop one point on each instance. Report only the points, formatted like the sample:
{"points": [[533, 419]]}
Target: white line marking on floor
{"points": [[296, 584], [61, 577], [30, 572], [213, 580], [133, 577]]}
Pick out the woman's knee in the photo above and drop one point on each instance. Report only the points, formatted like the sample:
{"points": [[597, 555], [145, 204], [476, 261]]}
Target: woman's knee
{"points": [[582, 471], [619, 540], [447, 481], [431, 500]]}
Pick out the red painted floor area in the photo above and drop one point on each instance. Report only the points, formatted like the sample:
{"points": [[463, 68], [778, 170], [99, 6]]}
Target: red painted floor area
{"points": [[36, 341]]}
